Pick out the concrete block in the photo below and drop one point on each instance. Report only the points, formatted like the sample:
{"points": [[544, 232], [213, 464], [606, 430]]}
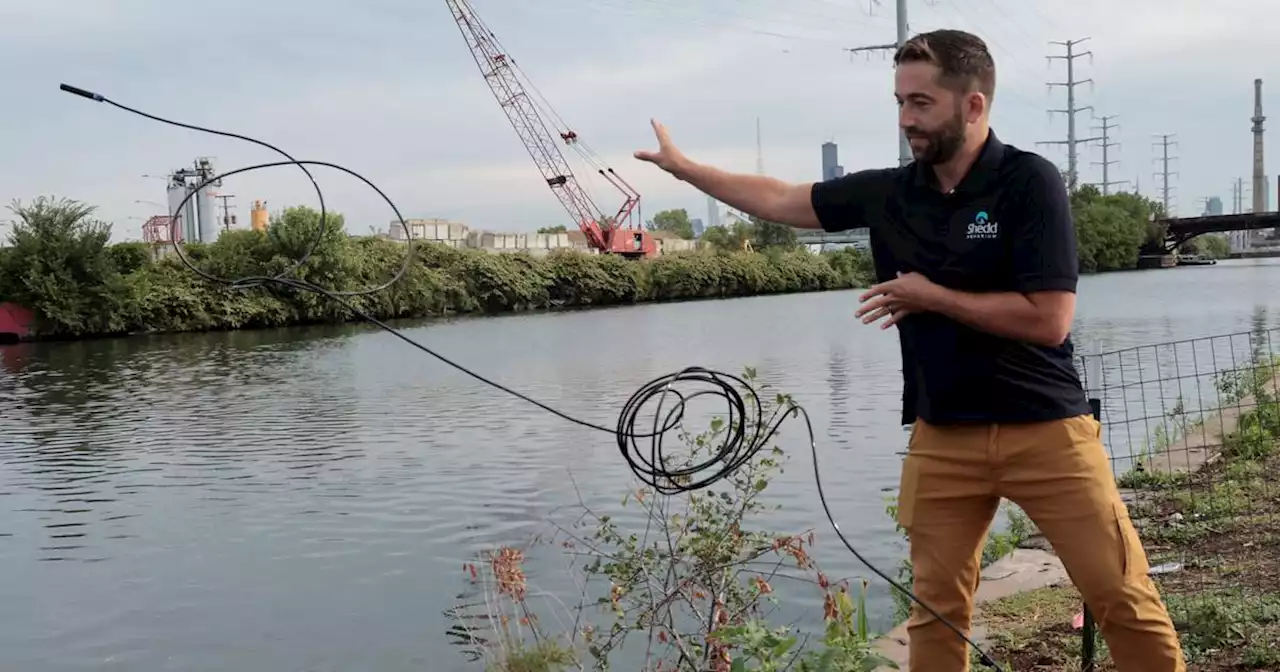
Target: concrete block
{"points": [[1022, 571]]}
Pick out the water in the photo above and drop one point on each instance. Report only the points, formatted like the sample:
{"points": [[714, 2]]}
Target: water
{"points": [[304, 499]]}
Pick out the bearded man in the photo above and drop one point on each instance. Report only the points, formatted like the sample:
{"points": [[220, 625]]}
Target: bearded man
{"points": [[975, 253]]}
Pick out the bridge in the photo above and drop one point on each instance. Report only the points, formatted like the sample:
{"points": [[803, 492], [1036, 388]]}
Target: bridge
{"points": [[1178, 230], [1182, 229], [859, 238]]}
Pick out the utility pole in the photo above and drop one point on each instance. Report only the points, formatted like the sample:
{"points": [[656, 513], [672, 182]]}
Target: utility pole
{"points": [[1106, 162], [1165, 142], [227, 218], [904, 147], [1073, 173]]}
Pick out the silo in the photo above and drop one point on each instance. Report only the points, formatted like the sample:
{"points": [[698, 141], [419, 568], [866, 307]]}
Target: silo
{"points": [[258, 216], [208, 221], [186, 224]]}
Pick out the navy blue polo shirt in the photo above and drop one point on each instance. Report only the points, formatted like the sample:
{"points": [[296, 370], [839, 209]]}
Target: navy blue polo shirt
{"points": [[1006, 227]]}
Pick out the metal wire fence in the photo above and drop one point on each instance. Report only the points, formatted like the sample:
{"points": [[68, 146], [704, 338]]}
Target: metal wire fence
{"points": [[1193, 428]]}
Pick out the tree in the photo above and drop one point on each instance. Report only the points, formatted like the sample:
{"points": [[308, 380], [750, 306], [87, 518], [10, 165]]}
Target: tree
{"points": [[672, 221], [559, 228], [1210, 245], [298, 229], [770, 234], [1111, 230], [729, 238], [59, 266]]}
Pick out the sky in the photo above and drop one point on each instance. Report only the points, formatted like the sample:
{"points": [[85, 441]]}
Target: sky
{"points": [[389, 89]]}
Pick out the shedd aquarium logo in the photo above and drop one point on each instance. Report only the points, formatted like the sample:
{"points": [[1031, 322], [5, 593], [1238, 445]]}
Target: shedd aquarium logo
{"points": [[982, 227]]}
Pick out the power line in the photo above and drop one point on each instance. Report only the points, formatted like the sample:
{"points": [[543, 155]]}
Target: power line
{"points": [[1165, 142], [904, 147], [1106, 144], [1073, 173]]}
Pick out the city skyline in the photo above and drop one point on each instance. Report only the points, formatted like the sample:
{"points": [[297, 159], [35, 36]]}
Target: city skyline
{"points": [[363, 91]]}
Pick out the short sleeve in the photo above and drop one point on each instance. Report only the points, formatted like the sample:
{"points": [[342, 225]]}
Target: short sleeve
{"points": [[1044, 256], [853, 201]]}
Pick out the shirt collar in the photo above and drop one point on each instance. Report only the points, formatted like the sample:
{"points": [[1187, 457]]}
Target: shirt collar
{"points": [[980, 173]]}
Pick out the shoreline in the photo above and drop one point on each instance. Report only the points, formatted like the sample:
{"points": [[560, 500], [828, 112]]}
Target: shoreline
{"points": [[1027, 610], [475, 315]]}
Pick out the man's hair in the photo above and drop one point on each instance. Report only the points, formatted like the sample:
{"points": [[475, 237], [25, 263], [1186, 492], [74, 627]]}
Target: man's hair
{"points": [[963, 58]]}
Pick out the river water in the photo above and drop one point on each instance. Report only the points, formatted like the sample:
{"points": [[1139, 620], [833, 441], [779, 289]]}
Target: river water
{"points": [[304, 499]]}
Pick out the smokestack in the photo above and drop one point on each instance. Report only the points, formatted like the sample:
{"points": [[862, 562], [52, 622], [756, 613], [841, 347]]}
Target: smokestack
{"points": [[1260, 189]]}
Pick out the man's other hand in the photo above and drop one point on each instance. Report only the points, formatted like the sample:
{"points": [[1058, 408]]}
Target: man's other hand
{"points": [[893, 300], [668, 157]]}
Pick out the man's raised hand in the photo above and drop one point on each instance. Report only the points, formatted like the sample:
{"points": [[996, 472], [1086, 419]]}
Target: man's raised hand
{"points": [[667, 157]]}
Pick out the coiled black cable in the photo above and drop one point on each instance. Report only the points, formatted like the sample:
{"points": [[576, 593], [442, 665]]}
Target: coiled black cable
{"points": [[652, 469]]}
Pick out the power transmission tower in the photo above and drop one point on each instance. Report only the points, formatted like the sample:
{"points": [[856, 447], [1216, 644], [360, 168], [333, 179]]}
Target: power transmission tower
{"points": [[1106, 162], [227, 218], [1165, 142], [1238, 195], [904, 147], [1073, 173]]}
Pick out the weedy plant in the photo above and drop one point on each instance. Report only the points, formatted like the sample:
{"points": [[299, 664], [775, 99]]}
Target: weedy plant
{"points": [[693, 585]]}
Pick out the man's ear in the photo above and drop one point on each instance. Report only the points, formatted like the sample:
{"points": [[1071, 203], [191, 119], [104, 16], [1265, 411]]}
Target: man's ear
{"points": [[975, 106]]}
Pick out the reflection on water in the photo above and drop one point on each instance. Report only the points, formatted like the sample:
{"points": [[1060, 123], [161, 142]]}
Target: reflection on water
{"points": [[303, 499]]}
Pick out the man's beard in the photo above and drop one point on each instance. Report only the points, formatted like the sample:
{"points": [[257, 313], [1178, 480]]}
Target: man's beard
{"points": [[942, 144]]}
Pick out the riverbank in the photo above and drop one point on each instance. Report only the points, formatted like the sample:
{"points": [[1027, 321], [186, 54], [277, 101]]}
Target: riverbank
{"points": [[61, 268], [1207, 506]]}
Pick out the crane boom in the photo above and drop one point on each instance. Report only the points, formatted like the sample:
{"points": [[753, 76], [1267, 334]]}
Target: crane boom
{"points": [[499, 73]]}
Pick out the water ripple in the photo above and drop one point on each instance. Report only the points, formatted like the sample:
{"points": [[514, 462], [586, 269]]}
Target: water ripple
{"points": [[304, 499]]}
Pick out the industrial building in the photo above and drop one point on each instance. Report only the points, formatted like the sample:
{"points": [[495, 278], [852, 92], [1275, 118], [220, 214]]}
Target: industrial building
{"points": [[196, 220], [459, 235]]}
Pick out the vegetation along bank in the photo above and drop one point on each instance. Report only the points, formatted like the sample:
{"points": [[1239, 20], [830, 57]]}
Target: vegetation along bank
{"points": [[60, 265], [1211, 529]]}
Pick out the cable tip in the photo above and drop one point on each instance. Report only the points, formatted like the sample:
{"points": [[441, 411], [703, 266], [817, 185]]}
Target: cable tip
{"points": [[81, 92]]}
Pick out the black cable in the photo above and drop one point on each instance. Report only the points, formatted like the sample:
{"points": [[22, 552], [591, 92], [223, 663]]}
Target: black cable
{"points": [[652, 469]]}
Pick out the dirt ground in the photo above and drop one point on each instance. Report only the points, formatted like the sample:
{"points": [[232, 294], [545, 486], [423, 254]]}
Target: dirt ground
{"points": [[1213, 540]]}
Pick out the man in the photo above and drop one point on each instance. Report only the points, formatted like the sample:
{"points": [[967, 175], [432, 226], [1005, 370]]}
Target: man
{"points": [[975, 253]]}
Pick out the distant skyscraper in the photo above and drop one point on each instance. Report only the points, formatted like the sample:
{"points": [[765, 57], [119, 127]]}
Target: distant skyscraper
{"points": [[713, 212], [698, 227], [1213, 206], [830, 161]]}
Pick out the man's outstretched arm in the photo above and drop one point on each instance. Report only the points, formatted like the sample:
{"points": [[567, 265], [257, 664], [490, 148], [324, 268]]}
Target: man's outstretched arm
{"points": [[833, 205], [765, 197]]}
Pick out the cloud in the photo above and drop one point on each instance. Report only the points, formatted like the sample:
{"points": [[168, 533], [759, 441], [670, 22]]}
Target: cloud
{"points": [[389, 89]]}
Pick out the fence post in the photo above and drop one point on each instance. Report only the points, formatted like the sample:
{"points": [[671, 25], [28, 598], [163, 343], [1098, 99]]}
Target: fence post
{"points": [[1087, 631]]}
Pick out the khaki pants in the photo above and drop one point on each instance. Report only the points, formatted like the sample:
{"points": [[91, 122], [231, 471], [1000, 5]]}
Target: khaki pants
{"points": [[952, 480]]}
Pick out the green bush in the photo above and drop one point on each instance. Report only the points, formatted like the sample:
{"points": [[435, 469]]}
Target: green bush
{"points": [[61, 266]]}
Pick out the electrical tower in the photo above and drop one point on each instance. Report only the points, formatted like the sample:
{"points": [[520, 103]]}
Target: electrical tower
{"points": [[1106, 144], [1238, 191], [1165, 142], [904, 147], [1073, 173], [228, 219]]}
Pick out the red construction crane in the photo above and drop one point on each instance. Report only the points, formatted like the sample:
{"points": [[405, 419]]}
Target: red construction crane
{"points": [[614, 234]]}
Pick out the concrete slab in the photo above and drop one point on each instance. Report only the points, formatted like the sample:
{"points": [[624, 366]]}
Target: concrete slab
{"points": [[1023, 570]]}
